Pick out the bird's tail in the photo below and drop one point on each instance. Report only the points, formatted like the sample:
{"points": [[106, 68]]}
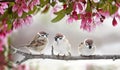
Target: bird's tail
{"points": [[14, 50]]}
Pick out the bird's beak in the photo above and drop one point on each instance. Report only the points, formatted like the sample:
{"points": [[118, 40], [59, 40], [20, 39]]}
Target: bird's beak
{"points": [[90, 47]]}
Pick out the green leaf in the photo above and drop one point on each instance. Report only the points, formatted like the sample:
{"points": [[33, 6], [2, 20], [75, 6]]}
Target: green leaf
{"points": [[38, 9], [78, 16], [60, 12], [10, 10], [30, 12], [11, 3], [58, 18], [105, 7], [88, 9], [53, 3], [110, 1], [4, 15], [62, 1], [69, 9], [47, 1], [112, 9], [101, 4], [9, 26], [42, 3], [46, 9], [9, 22]]}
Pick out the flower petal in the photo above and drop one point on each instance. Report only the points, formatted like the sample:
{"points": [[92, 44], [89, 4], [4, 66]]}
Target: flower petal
{"points": [[25, 9], [70, 19], [20, 11], [80, 6], [14, 8]]}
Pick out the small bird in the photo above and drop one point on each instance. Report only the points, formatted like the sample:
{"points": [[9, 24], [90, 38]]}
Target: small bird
{"points": [[61, 45], [87, 48], [39, 42]]}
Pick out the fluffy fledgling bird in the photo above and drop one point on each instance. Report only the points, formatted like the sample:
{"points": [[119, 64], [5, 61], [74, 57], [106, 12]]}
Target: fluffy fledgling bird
{"points": [[61, 45], [87, 48], [39, 42]]}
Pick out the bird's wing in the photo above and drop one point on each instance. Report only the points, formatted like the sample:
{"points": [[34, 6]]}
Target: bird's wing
{"points": [[34, 42], [36, 37], [68, 45]]}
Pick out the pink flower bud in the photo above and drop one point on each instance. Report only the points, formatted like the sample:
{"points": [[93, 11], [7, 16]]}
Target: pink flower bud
{"points": [[114, 22]]}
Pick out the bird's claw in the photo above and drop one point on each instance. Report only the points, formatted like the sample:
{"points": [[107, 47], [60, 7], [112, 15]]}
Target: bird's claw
{"points": [[64, 55], [87, 55], [42, 54], [69, 53]]}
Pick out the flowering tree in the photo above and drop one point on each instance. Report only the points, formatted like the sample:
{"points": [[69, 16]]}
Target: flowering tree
{"points": [[16, 13]]}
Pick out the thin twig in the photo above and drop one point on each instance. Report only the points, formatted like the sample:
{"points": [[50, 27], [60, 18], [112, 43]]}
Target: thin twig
{"points": [[36, 56], [52, 50]]}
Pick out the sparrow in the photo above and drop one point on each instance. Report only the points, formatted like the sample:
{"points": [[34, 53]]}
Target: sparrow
{"points": [[86, 48], [39, 42], [61, 45]]}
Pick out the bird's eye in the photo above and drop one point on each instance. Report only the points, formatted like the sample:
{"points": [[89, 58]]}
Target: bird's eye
{"points": [[60, 38], [42, 35]]}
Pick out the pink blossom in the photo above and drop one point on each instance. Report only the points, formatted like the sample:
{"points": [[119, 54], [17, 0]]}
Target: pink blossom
{"points": [[20, 7], [3, 61], [3, 6], [72, 17], [97, 18], [56, 8], [33, 3], [28, 19], [21, 67], [18, 23], [79, 7], [65, 6], [4, 29], [87, 22], [1, 43], [103, 13]]}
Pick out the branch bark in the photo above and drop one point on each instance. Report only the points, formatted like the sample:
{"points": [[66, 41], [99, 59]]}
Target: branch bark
{"points": [[34, 56]]}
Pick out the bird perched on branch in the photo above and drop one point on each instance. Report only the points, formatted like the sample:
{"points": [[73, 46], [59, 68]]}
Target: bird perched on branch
{"points": [[87, 47], [61, 45], [38, 43]]}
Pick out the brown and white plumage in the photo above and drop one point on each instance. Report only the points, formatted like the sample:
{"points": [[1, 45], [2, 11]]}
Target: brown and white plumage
{"points": [[39, 42], [61, 45], [87, 47]]}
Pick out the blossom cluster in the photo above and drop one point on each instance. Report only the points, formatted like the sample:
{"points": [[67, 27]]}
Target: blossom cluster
{"points": [[8, 24], [90, 15], [13, 15], [91, 12]]}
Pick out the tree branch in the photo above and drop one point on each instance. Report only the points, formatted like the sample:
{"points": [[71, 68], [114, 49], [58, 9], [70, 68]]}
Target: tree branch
{"points": [[35, 56]]}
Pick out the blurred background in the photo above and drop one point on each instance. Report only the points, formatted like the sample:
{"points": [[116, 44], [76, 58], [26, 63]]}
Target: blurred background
{"points": [[105, 36]]}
